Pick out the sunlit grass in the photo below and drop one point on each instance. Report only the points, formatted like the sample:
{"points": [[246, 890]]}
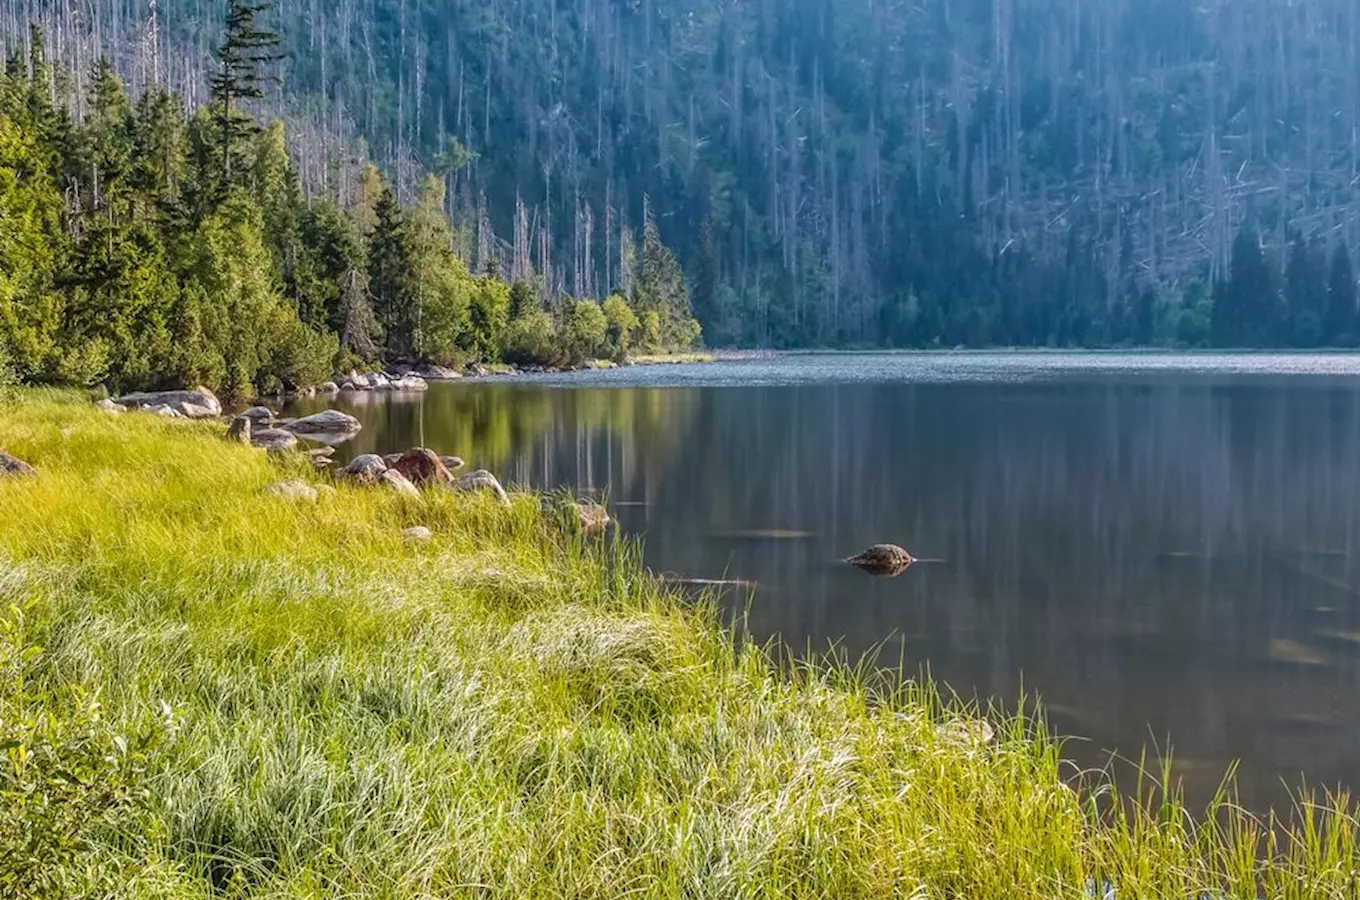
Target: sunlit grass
{"points": [[509, 712]]}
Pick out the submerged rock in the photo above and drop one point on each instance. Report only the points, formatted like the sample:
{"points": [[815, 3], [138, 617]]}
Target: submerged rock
{"points": [[199, 403], [326, 422], [482, 480], [367, 468], [274, 439], [883, 559], [293, 490], [240, 429], [417, 533], [422, 467], [399, 483], [13, 467]]}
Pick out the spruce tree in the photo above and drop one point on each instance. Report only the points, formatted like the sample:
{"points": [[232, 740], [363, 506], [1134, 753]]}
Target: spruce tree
{"points": [[392, 282], [245, 51], [1341, 312]]}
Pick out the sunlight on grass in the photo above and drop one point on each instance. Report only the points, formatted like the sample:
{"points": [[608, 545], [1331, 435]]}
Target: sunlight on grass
{"points": [[296, 703]]}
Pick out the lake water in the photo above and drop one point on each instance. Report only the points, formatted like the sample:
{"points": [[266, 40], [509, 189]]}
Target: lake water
{"points": [[1163, 547]]}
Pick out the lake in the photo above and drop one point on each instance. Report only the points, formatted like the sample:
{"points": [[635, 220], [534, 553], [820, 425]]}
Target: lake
{"points": [[1165, 548]]}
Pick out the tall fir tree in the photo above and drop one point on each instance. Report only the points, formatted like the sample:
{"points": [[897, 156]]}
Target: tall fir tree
{"points": [[245, 52], [391, 274]]}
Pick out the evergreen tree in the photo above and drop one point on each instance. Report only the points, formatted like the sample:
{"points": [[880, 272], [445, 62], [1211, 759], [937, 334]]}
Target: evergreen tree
{"points": [[391, 274], [245, 51], [1305, 293]]}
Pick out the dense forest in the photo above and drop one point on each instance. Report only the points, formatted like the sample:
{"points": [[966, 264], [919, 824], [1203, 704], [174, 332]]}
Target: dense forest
{"points": [[144, 244], [829, 172]]}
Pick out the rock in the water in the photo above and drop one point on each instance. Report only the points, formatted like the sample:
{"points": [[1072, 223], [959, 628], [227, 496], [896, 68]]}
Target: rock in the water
{"points": [[883, 559], [201, 401], [437, 373], [452, 463], [108, 406], [422, 467], [328, 388], [293, 490], [367, 468], [330, 421], [417, 533], [348, 385], [13, 467], [482, 480], [476, 370], [399, 483], [240, 429], [378, 381], [410, 384], [260, 415], [274, 439]]}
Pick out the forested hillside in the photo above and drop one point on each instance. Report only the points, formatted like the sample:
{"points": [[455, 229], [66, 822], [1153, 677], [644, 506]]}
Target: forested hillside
{"points": [[838, 171]]}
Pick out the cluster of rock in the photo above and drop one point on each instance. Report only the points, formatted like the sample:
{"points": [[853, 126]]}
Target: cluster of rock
{"points": [[420, 468], [199, 403], [375, 381], [13, 467], [258, 427]]}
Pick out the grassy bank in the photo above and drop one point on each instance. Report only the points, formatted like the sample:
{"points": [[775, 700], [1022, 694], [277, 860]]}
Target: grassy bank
{"points": [[211, 692]]}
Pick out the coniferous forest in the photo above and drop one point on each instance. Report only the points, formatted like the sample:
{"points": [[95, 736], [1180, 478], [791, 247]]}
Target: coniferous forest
{"points": [[493, 179]]}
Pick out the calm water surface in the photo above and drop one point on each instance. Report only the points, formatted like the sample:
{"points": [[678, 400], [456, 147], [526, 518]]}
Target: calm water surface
{"points": [[1159, 546]]}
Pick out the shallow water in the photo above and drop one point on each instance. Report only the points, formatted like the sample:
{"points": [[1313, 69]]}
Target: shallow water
{"points": [[1160, 546]]}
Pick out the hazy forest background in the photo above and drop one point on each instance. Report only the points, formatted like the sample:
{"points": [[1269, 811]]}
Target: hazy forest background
{"points": [[828, 172]]}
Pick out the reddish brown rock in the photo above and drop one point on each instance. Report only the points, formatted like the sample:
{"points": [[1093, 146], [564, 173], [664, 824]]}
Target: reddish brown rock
{"points": [[422, 468]]}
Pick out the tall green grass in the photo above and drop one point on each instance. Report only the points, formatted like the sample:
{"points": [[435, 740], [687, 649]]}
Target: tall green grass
{"points": [[294, 702]]}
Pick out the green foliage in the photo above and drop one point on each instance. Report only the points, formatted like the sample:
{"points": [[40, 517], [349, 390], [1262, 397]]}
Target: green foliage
{"points": [[67, 779], [623, 326], [531, 341], [489, 315], [586, 332]]}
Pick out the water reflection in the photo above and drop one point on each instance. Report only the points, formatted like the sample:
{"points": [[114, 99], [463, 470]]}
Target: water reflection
{"points": [[1171, 557]]}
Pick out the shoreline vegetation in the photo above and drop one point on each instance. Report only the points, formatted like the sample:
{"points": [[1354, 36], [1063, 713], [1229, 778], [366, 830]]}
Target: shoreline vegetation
{"points": [[215, 686]]}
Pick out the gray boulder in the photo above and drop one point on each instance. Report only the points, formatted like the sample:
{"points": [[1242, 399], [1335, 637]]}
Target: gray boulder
{"points": [[399, 483], [432, 372], [410, 384], [482, 480], [201, 402], [367, 468], [330, 421], [274, 439], [108, 406], [13, 467], [328, 388], [259, 414], [164, 410], [452, 463], [293, 490], [240, 429], [417, 534]]}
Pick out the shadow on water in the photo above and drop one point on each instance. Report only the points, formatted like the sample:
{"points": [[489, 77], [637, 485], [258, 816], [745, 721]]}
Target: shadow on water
{"points": [[1165, 554]]}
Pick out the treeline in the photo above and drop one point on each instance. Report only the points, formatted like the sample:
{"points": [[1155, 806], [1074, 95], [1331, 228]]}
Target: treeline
{"points": [[144, 244]]}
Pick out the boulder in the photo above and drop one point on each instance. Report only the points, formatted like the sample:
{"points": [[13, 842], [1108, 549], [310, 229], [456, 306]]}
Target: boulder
{"points": [[293, 490], [452, 463], [422, 467], [367, 468], [347, 385], [193, 411], [390, 458], [13, 467], [399, 483], [240, 429], [328, 388], [410, 384], [108, 406], [326, 452], [260, 415], [164, 410], [202, 400], [360, 382], [273, 439], [378, 381], [417, 534], [330, 421], [883, 559], [431, 372], [482, 480]]}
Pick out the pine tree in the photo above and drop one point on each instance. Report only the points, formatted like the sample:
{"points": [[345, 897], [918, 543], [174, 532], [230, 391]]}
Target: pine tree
{"points": [[391, 273], [245, 51]]}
